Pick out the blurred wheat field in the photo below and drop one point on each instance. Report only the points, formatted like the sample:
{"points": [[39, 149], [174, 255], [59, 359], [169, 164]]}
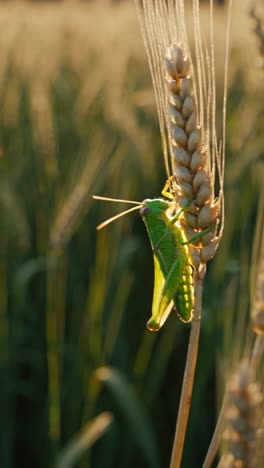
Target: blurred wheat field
{"points": [[77, 117]]}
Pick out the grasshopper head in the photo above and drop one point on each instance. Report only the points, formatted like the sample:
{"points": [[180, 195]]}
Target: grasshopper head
{"points": [[153, 208]]}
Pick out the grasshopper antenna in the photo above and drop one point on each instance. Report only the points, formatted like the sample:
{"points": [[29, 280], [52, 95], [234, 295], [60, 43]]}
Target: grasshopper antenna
{"points": [[97, 197], [119, 215]]}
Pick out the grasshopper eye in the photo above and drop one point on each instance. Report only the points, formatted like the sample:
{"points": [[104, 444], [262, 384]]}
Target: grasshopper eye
{"points": [[144, 210]]}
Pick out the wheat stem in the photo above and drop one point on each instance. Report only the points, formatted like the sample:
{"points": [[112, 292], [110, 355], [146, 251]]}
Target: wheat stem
{"points": [[216, 439], [187, 386]]}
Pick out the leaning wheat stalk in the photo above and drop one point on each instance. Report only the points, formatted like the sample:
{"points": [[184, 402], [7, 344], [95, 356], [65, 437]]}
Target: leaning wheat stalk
{"points": [[184, 85]]}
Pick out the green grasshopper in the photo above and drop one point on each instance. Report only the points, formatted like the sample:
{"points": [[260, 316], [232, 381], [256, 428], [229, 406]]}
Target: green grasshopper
{"points": [[173, 271]]}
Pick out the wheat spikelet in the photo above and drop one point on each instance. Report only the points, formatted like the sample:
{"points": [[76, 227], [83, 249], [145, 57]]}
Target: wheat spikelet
{"points": [[243, 418], [184, 85]]}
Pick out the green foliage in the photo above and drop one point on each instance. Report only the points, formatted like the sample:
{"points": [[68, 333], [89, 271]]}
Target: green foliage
{"points": [[77, 117]]}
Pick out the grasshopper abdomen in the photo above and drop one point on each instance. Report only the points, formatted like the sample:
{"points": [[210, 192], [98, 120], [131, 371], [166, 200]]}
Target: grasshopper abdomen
{"points": [[184, 299]]}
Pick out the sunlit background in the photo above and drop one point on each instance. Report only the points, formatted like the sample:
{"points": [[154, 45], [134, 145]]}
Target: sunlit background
{"points": [[77, 117]]}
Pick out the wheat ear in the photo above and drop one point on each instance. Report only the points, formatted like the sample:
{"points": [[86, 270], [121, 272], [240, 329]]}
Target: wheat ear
{"points": [[243, 417], [194, 180]]}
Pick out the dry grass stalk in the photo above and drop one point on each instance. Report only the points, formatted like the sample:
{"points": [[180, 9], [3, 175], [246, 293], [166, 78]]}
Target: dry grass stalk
{"points": [[243, 415]]}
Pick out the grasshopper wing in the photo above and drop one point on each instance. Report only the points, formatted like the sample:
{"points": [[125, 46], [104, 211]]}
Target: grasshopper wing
{"points": [[161, 305], [165, 289]]}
